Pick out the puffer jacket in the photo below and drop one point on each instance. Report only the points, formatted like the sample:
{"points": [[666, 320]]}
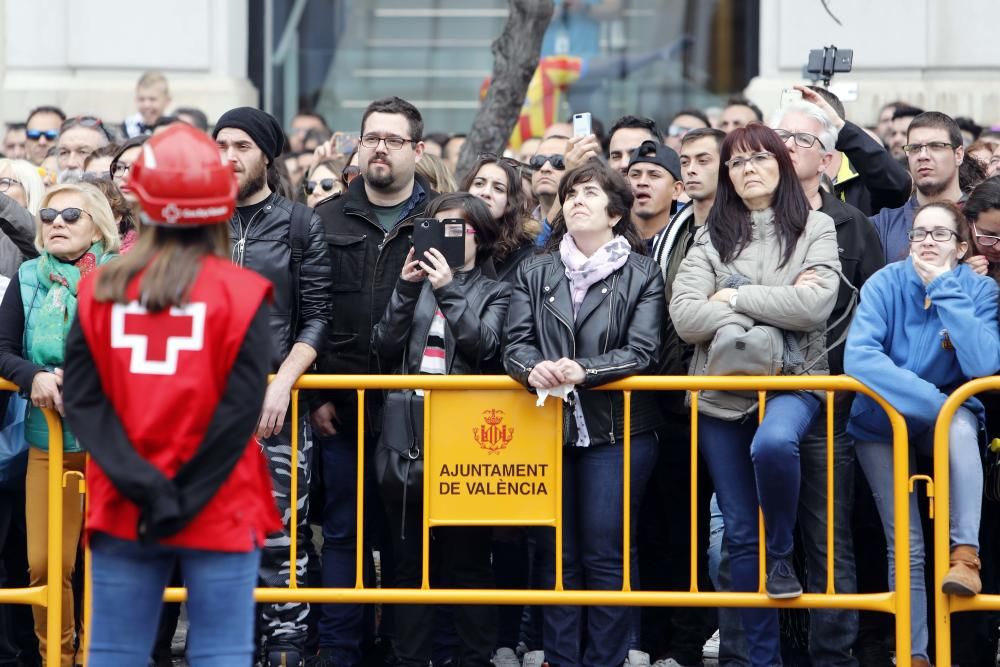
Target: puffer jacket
{"points": [[616, 334], [770, 299], [263, 244], [475, 310], [17, 236]]}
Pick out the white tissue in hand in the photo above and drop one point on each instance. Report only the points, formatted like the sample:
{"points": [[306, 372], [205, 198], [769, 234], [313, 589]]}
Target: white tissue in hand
{"points": [[562, 391]]}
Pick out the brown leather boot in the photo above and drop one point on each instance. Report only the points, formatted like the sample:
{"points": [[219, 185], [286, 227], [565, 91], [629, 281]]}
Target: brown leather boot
{"points": [[963, 577], [919, 662]]}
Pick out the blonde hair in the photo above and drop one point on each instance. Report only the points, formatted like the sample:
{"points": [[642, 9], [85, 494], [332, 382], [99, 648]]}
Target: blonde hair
{"points": [[434, 170], [153, 78], [31, 181], [95, 203]]}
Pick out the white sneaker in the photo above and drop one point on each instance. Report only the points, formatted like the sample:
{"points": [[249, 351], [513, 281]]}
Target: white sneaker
{"points": [[505, 657], [711, 647], [637, 659], [534, 659], [667, 662]]}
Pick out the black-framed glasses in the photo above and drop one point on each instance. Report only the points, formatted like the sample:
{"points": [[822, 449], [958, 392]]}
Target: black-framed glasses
{"points": [[939, 234], [6, 182], [35, 135], [984, 240], [557, 161], [931, 146], [69, 215], [756, 159], [120, 169], [802, 139], [325, 183], [393, 143]]}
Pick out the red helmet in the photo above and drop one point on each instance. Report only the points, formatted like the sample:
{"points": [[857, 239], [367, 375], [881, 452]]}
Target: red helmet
{"points": [[181, 178]]}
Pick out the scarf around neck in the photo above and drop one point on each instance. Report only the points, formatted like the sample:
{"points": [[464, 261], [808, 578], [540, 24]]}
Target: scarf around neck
{"points": [[583, 271], [54, 317]]}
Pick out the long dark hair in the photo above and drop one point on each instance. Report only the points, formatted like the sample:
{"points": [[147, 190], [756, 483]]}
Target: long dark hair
{"points": [[729, 220], [620, 201], [513, 231], [476, 214]]}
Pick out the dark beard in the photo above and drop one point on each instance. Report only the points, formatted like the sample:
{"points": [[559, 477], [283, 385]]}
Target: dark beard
{"points": [[255, 182], [933, 189], [379, 182]]}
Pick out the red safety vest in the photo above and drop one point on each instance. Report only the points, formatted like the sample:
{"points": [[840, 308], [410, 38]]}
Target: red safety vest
{"points": [[165, 374]]}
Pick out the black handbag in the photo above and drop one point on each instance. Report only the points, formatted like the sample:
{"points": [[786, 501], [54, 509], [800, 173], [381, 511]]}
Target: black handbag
{"points": [[399, 453]]}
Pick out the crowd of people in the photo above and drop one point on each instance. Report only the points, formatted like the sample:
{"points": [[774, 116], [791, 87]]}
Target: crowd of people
{"points": [[804, 244]]}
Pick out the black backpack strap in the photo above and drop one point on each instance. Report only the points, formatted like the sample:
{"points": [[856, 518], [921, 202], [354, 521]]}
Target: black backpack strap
{"points": [[298, 235]]}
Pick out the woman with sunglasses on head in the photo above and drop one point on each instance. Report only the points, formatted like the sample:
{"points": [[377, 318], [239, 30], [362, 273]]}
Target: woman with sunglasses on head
{"points": [[76, 233], [444, 320], [763, 258], [587, 312], [498, 183], [323, 180], [925, 326]]}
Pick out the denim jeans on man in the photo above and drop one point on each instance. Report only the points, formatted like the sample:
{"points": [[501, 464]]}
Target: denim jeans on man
{"points": [[127, 597], [753, 464], [966, 495], [593, 480]]}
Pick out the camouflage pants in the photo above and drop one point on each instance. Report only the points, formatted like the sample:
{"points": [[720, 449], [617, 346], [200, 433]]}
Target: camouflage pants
{"points": [[284, 624]]}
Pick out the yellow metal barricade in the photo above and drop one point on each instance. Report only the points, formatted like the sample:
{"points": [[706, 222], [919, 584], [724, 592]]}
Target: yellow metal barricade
{"points": [[49, 595], [946, 605], [493, 426]]}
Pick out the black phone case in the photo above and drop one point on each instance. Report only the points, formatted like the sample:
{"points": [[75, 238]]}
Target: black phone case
{"points": [[447, 236]]}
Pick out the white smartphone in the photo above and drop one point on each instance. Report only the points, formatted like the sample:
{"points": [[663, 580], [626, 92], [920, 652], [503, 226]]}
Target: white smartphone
{"points": [[581, 124], [789, 96]]}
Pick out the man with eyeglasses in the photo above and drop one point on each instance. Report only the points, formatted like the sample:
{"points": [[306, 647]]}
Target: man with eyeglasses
{"points": [[862, 171], [683, 122], [78, 138], [284, 242], [934, 152], [810, 135], [42, 130], [368, 229], [549, 165]]}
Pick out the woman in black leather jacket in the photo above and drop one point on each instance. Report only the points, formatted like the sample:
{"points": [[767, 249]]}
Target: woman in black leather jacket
{"points": [[586, 313], [444, 322]]}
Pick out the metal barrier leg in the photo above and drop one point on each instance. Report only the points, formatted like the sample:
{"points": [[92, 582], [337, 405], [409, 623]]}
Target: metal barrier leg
{"points": [[53, 638], [901, 463]]}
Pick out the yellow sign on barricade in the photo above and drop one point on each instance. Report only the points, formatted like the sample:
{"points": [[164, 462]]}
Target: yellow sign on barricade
{"points": [[491, 458]]}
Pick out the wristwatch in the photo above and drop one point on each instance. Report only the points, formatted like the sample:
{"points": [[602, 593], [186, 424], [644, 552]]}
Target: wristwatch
{"points": [[732, 299]]}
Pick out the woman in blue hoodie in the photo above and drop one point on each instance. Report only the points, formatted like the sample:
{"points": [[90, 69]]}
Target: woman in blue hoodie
{"points": [[924, 326]]}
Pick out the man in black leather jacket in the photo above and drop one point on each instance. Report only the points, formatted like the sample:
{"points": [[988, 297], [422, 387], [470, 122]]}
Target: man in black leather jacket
{"points": [[368, 230], [263, 240]]}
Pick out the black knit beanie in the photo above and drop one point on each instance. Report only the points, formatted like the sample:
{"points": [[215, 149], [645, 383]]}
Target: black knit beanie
{"points": [[263, 128]]}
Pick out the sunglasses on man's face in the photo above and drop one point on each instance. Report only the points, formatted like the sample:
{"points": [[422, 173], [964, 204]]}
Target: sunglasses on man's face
{"points": [[69, 215], [35, 135], [326, 183], [558, 162]]}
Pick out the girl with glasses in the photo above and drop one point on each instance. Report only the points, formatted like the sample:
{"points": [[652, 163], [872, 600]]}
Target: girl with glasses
{"points": [[322, 181], [982, 209], [923, 327]]}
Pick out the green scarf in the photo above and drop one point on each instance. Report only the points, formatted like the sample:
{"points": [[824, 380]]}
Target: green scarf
{"points": [[58, 310]]}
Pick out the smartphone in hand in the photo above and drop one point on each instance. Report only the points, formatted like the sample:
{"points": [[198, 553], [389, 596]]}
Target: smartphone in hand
{"points": [[447, 236], [582, 124]]}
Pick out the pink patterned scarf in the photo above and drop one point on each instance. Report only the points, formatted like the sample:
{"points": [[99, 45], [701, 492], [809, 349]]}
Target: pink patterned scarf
{"points": [[583, 271]]}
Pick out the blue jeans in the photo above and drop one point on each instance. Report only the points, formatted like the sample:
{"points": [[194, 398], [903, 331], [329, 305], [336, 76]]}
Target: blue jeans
{"points": [[340, 625], [593, 554], [965, 470], [753, 464], [127, 598], [732, 640]]}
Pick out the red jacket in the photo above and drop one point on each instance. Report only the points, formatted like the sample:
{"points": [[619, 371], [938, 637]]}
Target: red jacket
{"points": [[165, 376]]}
